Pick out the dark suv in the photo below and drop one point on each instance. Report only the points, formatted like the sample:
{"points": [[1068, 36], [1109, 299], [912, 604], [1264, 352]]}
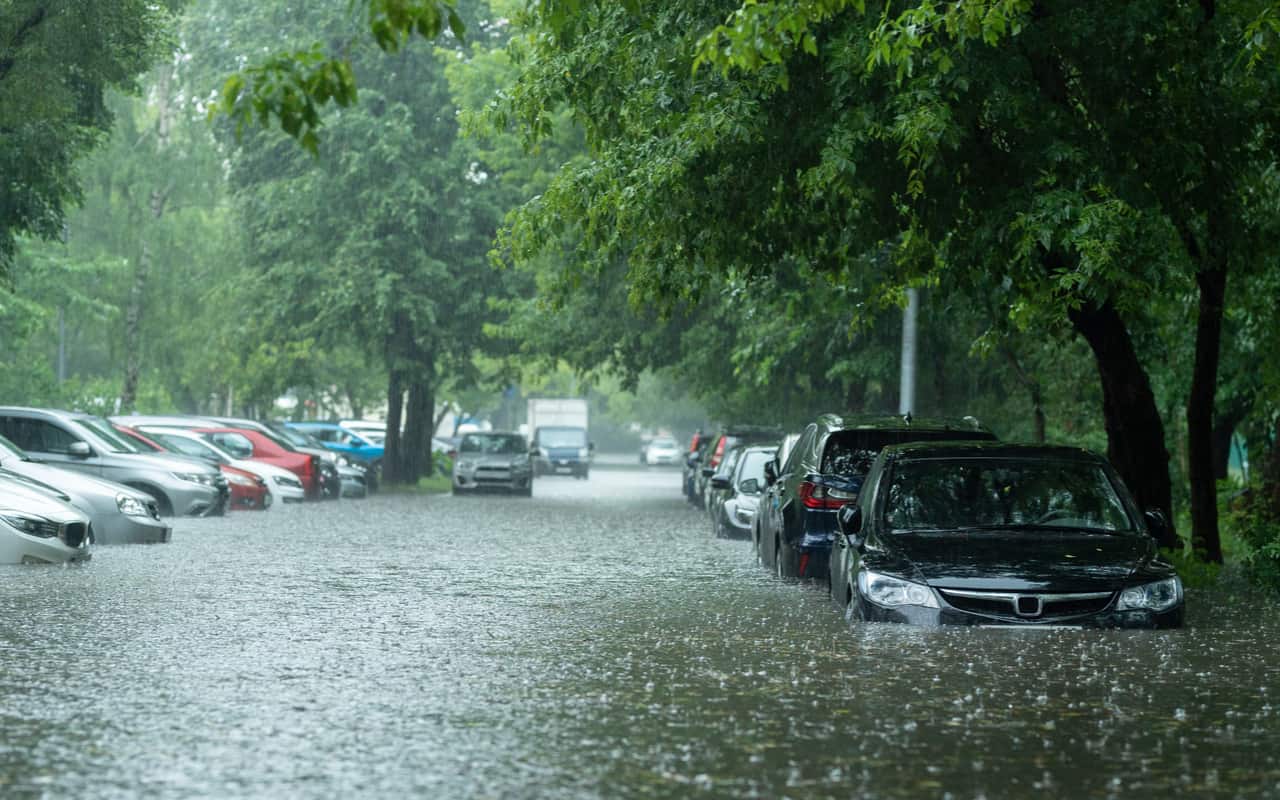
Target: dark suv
{"points": [[797, 519]]}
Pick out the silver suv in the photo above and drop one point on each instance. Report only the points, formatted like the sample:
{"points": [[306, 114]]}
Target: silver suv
{"points": [[88, 444]]}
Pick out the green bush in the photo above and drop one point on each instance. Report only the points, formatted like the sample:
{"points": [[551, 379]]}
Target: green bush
{"points": [[1255, 520]]}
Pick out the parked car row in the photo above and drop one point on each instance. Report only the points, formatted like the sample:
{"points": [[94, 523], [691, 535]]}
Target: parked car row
{"points": [[934, 521], [70, 480]]}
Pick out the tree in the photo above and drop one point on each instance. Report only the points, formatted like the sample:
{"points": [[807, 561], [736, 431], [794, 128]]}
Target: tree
{"points": [[57, 61]]}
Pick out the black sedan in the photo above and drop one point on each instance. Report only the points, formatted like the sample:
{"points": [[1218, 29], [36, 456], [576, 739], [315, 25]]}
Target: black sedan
{"points": [[998, 534]]}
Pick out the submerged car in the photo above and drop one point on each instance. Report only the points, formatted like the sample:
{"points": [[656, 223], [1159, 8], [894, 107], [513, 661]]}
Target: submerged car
{"points": [[284, 485], [824, 471], [719, 446], [89, 445], [120, 514], [493, 461], [735, 493], [998, 534], [37, 527]]}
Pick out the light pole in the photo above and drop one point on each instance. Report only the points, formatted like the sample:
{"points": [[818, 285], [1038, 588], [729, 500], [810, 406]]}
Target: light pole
{"points": [[907, 388]]}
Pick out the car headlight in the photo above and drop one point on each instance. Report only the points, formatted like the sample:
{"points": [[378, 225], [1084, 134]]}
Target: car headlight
{"points": [[285, 480], [886, 590], [342, 461], [30, 524], [583, 452], [202, 478], [241, 480], [131, 506], [1159, 596], [744, 514]]}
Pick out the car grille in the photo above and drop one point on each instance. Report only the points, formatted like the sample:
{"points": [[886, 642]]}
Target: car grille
{"points": [[74, 534], [493, 475], [1028, 606]]}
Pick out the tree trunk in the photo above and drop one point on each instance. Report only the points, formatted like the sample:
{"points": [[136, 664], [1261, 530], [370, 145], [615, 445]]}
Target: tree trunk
{"points": [[1032, 386], [418, 426], [133, 330], [1135, 432], [391, 472], [1205, 539]]}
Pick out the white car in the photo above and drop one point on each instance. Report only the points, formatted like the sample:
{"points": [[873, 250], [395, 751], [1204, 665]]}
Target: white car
{"points": [[371, 430], [38, 528], [283, 484], [662, 450]]}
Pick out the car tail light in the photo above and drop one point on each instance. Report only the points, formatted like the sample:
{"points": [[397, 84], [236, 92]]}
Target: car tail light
{"points": [[719, 454], [693, 445], [815, 495]]}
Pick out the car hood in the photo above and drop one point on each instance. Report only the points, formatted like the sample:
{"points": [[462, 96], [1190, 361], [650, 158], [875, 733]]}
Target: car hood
{"points": [[262, 469], [1018, 561], [75, 484], [20, 496], [163, 462]]}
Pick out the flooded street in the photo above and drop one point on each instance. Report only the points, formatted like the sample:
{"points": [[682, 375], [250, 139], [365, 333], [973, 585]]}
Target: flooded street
{"points": [[592, 642]]}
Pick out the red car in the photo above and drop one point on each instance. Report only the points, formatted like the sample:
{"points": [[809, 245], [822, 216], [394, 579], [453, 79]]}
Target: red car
{"points": [[248, 491], [246, 443]]}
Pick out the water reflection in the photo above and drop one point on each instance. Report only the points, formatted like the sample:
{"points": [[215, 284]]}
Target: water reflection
{"points": [[597, 643]]}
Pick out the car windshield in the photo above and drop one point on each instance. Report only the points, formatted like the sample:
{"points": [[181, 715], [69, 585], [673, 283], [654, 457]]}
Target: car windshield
{"points": [[665, 444], [187, 446], [492, 443], [8, 448], [114, 441], [292, 436], [753, 465], [562, 437], [951, 494], [851, 452]]}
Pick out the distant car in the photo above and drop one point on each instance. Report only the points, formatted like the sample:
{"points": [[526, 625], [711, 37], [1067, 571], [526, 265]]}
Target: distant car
{"points": [[39, 528], [662, 450], [561, 449], [348, 444], [692, 464], [254, 445], [494, 460], [371, 430], [823, 472], [999, 534], [120, 514], [88, 444], [737, 493]]}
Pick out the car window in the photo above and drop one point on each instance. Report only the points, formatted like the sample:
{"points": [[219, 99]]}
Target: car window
{"points": [[946, 494], [805, 442], [562, 437], [8, 448], [237, 444], [183, 445], [38, 436], [752, 465]]}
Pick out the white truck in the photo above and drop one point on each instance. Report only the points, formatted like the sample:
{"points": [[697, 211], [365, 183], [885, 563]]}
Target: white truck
{"points": [[558, 436]]}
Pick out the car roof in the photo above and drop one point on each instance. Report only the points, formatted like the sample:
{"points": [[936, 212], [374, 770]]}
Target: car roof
{"points": [[923, 451], [899, 422]]}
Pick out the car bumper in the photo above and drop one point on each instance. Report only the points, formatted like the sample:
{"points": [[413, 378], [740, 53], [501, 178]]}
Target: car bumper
{"points": [[1108, 618], [560, 466], [120, 528], [195, 500], [354, 488], [474, 481], [288, 494], [19, 548]]}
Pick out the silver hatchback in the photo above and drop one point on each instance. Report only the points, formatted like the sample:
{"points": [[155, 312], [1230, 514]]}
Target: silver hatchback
{"points": [[494, 460]]}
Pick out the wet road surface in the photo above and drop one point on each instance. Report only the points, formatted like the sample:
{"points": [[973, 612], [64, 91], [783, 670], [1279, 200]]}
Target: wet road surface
{"points": [[591, 642]]}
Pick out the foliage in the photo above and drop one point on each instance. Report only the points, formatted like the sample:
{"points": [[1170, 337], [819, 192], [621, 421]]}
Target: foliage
{"points": [[57, 61], [1255, 519]]}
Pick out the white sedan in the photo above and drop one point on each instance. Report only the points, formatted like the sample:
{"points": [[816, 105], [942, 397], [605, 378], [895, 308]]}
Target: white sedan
{"points": [[662, 450], [283, 484], [38, 528]]}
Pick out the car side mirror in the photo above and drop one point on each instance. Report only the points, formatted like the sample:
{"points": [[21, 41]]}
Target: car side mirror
{"points": [[849, 520], [707, 472], [770, 473], [1157, 523], [720, 483], [79, 450], [749, 486]]}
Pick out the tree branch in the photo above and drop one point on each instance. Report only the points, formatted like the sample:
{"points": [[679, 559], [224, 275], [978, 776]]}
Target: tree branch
{"points": [[19, 37]]}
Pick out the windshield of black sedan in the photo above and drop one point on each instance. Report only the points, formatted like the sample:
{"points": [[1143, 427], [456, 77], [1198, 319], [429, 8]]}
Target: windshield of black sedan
{"points": [[949, 494]]}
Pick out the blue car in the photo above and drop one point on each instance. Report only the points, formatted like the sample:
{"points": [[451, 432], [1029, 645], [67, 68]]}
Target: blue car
{"points": [[340, 440]]}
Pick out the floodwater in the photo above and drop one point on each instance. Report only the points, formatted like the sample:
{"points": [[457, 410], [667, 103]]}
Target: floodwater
{"points": [[592, 642]]}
